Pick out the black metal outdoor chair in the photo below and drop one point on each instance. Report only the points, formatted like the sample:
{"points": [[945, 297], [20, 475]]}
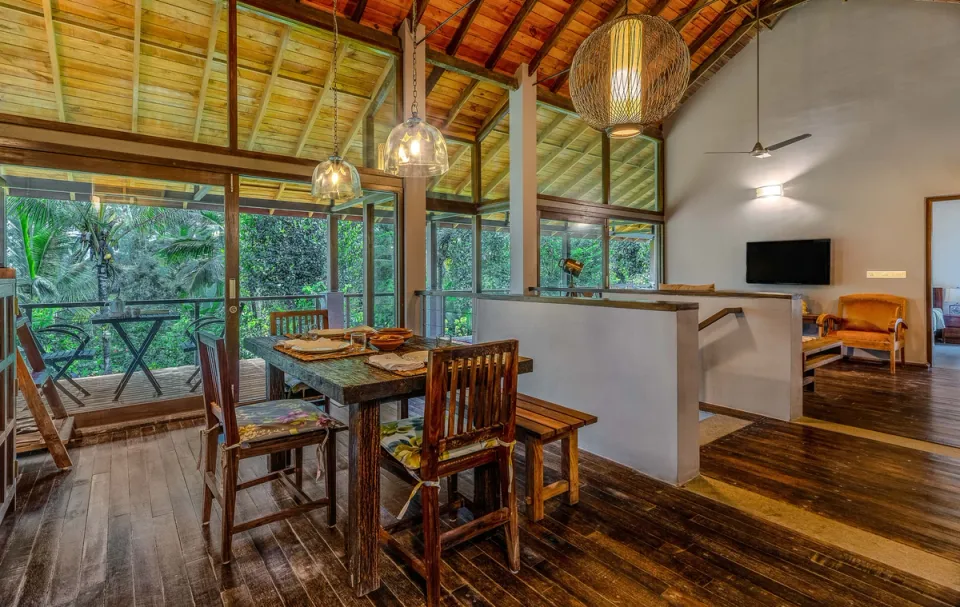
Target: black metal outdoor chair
{"points": [[61, 360], [192, 344]]}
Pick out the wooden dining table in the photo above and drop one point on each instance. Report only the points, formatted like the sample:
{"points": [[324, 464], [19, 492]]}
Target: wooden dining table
{"points": [[362, 388]]}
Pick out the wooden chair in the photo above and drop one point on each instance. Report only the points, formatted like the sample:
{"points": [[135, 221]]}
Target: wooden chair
{"points": [[469, 421], [192, 345], [870, 321], [256, 430], [290, 322]]}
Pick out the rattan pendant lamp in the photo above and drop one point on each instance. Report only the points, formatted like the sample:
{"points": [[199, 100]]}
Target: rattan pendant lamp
{"points": [[415, 148], [629, 73], [335, 179]]}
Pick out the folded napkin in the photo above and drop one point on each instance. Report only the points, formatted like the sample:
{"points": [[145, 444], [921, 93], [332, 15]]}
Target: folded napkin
{"points": [[327, 332], [393, 362], [315, 345]]}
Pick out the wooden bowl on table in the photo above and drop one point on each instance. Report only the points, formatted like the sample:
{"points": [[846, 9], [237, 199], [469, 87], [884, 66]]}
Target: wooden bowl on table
{"points": [[405, 334], [386, 343]]}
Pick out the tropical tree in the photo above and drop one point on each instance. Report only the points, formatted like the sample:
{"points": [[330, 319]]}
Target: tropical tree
{"points": [[197, 251]]}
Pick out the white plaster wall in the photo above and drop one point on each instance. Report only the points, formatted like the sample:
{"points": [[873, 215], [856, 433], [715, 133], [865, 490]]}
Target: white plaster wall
{"points": [[946, 244], [750, 362], [636, 370], [877, 84]]}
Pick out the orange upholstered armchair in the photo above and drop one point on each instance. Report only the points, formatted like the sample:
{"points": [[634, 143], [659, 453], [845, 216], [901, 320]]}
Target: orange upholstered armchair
{"points": [[870, 321]]}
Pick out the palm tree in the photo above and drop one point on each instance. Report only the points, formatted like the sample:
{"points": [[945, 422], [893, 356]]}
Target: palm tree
{"points": [[198, 250]]}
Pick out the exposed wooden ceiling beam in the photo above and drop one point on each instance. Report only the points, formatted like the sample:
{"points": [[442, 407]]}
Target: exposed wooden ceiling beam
{"points": [[54, 58], [201, 192], [470, 69], [707, 34], [357, 13], [690, 14], [268, 87], [461, 101], [765, 12], [494, 117], [323, 19], [367, 108], [593, 166], [207, 68], [137, 27], [632, 169], [318, 103], [455, 42], [283, 186], [492, 153], [551, 40], [507, 37]]}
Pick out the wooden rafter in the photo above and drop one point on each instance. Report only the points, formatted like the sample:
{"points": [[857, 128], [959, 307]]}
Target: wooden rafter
{"points": [[554, 36], [631, 169], [507, 37], [690, 14], [318, 103], [455, 42], [357, 13], [368, 107], [745, 28], [200, 192], [461, 101], [54, 58], [570, 163], [707, 34], [469, 69], [207, 67], [268, 87], [137, 28], [492, 153], [623, 185]]}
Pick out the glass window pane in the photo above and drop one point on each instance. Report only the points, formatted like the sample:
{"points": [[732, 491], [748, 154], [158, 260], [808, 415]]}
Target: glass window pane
{"points": [[457, 181], [452, 254], [634, 173], [633, 255], [582, 242], [568, 157], [495, 253], [385, 264], [495, 154]]}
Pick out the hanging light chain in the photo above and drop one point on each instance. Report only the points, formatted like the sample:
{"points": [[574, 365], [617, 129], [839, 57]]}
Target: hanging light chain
{"points": [[336, 105], [413, 34]]}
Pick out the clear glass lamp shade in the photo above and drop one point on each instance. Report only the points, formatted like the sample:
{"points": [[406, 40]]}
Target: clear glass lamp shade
{"points": [[416, 149], [336, 180]]}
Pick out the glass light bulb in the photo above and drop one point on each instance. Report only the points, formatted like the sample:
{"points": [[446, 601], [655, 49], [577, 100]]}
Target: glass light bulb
{"points": [[415, 147]]}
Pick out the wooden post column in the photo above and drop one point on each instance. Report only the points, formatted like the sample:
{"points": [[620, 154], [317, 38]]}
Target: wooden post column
{"points": [[523, 182], [414, 190]]}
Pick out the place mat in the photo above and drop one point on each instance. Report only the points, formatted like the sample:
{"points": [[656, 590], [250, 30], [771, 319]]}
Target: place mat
{"points": [[315, 356], [412, 373]]}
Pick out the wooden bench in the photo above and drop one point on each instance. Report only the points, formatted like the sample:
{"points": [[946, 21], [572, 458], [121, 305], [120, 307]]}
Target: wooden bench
{"points": [[540, 423]]}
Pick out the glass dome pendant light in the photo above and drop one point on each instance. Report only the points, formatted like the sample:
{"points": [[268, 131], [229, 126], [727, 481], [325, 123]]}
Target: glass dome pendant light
{"points": [[335, 179], [415, 148]]}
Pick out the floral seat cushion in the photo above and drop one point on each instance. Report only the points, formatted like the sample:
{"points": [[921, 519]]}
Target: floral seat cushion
{"points": [[403, 439], [276, 418]]}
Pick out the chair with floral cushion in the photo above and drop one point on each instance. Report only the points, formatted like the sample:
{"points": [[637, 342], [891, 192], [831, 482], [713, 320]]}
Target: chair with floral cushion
{"points": [[469, 421], [256, 430]]}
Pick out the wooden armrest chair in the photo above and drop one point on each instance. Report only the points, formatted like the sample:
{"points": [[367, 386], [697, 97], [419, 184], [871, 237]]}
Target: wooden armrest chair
{"points": [[469, 421], [869, 321], [255, 430], [298, 322]]}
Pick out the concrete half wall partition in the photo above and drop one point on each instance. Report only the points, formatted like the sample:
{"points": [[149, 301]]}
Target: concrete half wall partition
{"points": [[632, 364], [752, 361]]}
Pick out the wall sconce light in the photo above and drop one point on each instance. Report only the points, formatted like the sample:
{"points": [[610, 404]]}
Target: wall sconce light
{"points": [[770, 191]]}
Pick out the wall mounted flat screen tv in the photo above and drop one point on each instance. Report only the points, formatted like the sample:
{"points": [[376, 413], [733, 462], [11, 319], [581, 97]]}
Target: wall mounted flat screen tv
{"points": [[789, 262]]}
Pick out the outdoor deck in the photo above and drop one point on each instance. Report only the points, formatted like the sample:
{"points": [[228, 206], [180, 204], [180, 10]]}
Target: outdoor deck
{"points": [[172, 382]]}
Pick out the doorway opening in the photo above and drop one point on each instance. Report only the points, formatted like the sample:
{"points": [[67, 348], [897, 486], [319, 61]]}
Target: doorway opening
{"points": [[943, 281]]}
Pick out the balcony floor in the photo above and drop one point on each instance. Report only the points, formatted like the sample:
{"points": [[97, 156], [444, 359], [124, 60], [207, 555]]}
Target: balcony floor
{"points": [[172, 382]]}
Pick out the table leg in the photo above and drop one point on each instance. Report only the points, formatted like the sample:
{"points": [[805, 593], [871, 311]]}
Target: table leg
{"points": [[363, 529], [274, 378], [137, 357]]}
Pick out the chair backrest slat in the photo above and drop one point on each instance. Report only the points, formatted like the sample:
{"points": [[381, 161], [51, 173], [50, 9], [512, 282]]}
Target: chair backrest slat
{"points": [[297, 321], [471, 397], [218, 396]]}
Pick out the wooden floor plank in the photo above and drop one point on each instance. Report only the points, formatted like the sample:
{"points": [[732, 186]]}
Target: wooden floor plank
{"points": [[909, 496], [631, 541], [915, 403]]}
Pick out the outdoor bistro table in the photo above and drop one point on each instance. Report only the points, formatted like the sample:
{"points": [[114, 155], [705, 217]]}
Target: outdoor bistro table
{"points": [[117, 321], [362, 388]]}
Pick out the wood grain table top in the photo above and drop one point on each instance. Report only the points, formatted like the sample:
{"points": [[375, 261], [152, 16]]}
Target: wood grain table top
{"points": [[351, 380]]}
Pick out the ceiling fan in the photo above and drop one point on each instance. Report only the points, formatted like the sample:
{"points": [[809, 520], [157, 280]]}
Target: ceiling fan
{"points": [[759, 150]]}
